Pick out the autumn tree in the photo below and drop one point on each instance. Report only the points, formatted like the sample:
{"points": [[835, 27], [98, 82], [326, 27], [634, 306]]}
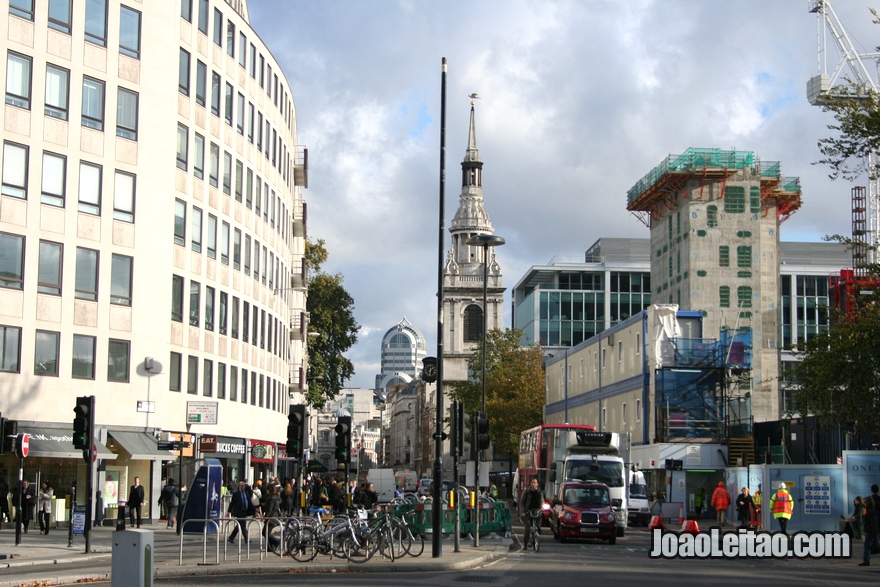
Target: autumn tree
{"points": [[332, 328], [514, 387]]}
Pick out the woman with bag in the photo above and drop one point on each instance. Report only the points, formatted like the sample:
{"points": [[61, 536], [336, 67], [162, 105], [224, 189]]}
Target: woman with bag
{"points": [[271, 509]]}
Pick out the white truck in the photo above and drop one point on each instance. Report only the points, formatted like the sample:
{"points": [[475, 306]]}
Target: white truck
{"points": [[595, 456], [383, 482]]}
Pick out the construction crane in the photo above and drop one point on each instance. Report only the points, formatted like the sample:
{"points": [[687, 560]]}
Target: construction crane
{"points": [[849, 79]]}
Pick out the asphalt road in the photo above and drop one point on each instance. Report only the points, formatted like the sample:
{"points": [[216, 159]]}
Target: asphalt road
{"points": [[557, 564]]}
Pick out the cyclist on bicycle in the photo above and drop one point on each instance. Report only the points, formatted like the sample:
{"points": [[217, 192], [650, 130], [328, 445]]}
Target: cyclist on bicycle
{"points": [[532, 503]]}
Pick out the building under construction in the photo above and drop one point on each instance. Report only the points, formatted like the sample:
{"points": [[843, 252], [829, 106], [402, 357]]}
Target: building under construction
{"points": [[714, 217]]}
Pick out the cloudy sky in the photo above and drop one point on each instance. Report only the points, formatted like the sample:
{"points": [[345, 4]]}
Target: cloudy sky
{"points": [[579, 99]]}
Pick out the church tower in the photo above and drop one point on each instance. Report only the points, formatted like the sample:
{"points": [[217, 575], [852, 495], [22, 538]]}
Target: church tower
{"points": [[463, 311]]}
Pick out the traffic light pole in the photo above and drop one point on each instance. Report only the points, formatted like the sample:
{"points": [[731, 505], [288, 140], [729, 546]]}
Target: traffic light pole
{"points": [[22, 502], [90, 475], [436, 510]]}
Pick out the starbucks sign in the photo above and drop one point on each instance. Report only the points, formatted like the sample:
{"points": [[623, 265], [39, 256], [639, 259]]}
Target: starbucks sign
{"points": [[260, 451]]}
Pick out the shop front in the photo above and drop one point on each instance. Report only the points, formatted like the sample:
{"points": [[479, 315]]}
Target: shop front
{"points": [[262, 459], [51, 458], [138, 456], [229, 451]]}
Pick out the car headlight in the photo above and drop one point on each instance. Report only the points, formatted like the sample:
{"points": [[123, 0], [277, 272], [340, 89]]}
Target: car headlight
{"points": [[570, 517], [608, 518]]}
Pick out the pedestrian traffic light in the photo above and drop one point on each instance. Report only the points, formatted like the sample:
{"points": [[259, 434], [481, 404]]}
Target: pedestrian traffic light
{"points": [[82, 433], [482, 431], [295, 427], [343, 439]]}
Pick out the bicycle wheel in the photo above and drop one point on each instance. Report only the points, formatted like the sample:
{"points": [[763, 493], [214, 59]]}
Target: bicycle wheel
{"points": [[400, 538], [360, 549], [386, 543], [417, 542], [302, 545]]}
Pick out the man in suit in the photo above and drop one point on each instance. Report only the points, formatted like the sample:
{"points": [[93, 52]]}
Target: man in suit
{"points": [[240, 507], [135, 501]]}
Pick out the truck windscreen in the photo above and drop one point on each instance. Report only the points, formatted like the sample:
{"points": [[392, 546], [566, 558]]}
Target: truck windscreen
{"points": [[609, 473]]}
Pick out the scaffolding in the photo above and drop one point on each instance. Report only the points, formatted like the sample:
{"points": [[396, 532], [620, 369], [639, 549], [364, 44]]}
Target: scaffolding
{"points": [[691, 395], [661, 187]]}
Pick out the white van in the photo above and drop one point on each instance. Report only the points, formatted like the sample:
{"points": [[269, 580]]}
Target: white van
{"points": [[424, 488], [637, 506]]}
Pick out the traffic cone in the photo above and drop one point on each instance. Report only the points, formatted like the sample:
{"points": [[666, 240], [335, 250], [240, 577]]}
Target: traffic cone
{"points": [[681, 515], [691, 527], [656, 522]]}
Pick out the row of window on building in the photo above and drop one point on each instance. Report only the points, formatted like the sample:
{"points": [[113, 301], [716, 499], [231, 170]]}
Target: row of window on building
{"points": [[47, 354], [50, 270], [53, 184], [60, 18], [250, 190], [263, 390], [273, 269], [274, 148], [258, 327], [252, 61], [19, 70]]}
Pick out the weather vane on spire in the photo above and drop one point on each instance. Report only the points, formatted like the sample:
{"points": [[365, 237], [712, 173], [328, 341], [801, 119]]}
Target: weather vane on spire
{"points": [[473, 97]]}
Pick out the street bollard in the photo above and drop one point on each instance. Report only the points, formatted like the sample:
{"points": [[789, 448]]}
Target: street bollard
{"points": [[132, 563]]}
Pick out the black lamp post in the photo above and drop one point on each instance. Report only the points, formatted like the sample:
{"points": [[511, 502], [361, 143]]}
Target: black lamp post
{"points": [[485, 241]]}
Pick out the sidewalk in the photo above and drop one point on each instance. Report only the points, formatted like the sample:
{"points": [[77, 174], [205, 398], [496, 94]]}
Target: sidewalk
{"points": [[47, 560]]}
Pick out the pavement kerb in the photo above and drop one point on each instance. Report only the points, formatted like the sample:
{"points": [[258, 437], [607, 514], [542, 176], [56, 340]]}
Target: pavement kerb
{"points": [[400, 566]]}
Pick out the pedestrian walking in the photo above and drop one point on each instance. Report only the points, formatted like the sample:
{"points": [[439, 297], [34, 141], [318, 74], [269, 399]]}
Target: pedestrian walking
{"points": [[782, 507], [135, 502], [171, 499], [24, 499], [240, 508], [871, 529], [721, 501], [44, 506], [744, 505], [99, 510]]}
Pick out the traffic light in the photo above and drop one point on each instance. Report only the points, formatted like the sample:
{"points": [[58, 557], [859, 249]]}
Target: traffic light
{"points": [[429, 369], [10, 431], [295, 428], [82, 433], [482, 431], [343, 439]]}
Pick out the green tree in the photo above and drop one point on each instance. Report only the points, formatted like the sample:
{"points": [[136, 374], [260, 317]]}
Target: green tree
{"points": [[838, 377], [514, 387], [332, 329]]}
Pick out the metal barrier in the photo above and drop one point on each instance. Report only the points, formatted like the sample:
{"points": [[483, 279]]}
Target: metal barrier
{"points": [[223, 525], [216, 523]]}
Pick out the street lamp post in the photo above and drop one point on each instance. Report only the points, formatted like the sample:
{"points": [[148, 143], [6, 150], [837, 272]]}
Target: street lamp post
{"points": [[485, 241]]}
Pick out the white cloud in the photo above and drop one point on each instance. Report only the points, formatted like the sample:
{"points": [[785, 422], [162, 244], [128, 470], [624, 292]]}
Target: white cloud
{"points": [[578, 101]]}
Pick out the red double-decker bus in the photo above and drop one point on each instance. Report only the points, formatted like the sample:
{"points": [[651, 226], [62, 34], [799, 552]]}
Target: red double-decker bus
{"points": [[539, 447]]}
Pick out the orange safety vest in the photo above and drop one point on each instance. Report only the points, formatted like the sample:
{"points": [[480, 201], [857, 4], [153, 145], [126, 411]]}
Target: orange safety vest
{"points": [[782, 506]]}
